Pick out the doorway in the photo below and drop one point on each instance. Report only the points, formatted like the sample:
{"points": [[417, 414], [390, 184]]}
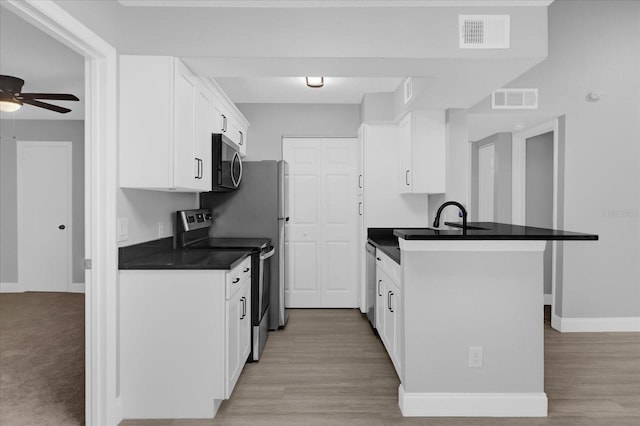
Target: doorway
{"points": [[486, 183], [537, 195], [44, 216], [101, 402], [321, 237]]}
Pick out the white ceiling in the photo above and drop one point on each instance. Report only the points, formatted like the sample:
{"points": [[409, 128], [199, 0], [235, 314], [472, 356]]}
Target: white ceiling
{"points": [[337, 90], [259, 51], [45, 64]]}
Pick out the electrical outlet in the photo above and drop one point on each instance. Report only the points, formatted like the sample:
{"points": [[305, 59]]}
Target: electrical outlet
{"points": [[475, 356], [160, 229]]}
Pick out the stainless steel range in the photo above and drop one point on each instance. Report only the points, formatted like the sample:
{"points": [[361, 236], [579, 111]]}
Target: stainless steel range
{"points": [[192, 232]]}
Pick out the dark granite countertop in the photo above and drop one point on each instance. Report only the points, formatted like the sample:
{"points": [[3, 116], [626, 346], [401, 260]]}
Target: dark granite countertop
{"points": [[490, 231], [159, 254], [384, 240]]}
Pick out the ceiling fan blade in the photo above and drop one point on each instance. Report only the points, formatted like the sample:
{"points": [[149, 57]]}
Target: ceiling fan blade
{"points": [[52, 96], [45, 105]]}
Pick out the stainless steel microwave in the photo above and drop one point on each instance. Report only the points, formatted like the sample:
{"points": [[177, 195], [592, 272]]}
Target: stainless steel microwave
{"points": [[227, 164]]}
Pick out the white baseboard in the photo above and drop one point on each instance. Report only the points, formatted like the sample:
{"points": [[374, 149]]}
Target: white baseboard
{"points": [[548, 299], [17, 288], [595, 325], [11, 288], [118, 412], [76, 288], [472, 404]]}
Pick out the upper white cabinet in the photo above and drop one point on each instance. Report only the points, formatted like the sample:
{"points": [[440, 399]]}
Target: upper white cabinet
{"points": [[422, 152], [165, 126], [229, 121], [167, 116]]}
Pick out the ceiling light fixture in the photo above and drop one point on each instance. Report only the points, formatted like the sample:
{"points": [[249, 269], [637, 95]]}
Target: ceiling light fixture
{"points": [[315, 82], [8, 103]]}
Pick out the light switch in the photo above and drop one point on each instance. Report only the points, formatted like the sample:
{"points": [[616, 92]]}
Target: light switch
{"points": [[122, 226]]}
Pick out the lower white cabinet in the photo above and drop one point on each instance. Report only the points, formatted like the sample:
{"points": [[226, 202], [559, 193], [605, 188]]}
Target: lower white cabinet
{"points": [[238, 336], [389, 308], [184, 337]]}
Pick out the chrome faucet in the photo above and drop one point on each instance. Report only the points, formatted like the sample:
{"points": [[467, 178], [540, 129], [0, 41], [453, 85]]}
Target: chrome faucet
{"points": [[436, 221]]}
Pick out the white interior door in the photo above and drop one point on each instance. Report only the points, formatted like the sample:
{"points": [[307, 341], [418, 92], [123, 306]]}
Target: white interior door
{"points": [[44, 215], [321, 235]]}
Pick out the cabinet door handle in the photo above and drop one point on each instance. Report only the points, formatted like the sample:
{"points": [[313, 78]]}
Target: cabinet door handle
{"points": [[201, 167], [360, 181], [378, 259], [236, 280], [406, 177], [244, 307], [379, 282], [199, 162], [391, 294], [197, 168], [360, 208], [389, 300], [241, 138], [246, 270]]}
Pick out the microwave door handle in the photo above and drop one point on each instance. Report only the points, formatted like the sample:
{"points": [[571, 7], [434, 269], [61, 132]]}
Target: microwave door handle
{"points": [[236, 157]]}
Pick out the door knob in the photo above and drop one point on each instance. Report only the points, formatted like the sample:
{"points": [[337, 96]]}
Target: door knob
{"points": [[61, 226]]}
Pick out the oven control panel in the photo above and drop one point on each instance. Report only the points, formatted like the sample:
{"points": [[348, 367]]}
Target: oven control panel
{"points": [[188, 220]]}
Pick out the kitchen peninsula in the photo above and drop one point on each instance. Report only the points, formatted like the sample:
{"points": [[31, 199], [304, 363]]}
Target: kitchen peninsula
{"points": [[469, 325]]}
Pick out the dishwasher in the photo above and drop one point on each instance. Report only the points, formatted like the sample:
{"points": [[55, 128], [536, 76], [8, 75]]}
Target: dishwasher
{"points": [[370, 277]]}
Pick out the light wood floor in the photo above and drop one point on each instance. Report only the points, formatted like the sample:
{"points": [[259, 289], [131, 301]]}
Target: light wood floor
{"points": [[327, 368]]}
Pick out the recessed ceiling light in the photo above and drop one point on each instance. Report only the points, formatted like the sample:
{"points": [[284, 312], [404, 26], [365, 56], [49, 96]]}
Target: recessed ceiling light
{"points": [[315, 82]]}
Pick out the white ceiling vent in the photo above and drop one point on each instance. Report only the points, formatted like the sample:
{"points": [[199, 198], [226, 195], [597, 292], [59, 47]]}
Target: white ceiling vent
{"points": [[408, 90], [484, 31], [514, 99]]}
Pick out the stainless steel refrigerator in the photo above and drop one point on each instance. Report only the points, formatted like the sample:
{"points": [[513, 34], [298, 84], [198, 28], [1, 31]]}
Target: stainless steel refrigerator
{"points": [[257, 209]]}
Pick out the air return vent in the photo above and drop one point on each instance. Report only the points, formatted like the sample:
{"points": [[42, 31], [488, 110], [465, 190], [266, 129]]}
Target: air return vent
{"points": [[484, 31], [514, 99]]}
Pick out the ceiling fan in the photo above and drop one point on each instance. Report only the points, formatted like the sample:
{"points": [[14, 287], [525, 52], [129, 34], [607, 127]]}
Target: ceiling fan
{"points": [[12, 98]]}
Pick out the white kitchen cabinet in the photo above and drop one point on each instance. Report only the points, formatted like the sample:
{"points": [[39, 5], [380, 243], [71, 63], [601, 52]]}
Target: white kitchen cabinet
{"points": [[238, 334], [389, 307], [184, 339], [238, 135], [384, 205], [362, 231], [229, 121], [165, 126], [380, 303], [203, 124], [422, 152]]}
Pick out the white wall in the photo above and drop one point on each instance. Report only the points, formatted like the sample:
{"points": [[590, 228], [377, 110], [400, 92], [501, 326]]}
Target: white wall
{"points": [[270, 122], [148, 211], [595, 45]]}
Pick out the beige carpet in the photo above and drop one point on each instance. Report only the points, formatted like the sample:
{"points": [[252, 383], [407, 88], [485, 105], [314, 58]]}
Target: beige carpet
{"points": [[41, 359]]}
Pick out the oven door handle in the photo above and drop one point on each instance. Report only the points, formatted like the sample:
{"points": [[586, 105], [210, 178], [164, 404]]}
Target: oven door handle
{"points": [[271, 252]]}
